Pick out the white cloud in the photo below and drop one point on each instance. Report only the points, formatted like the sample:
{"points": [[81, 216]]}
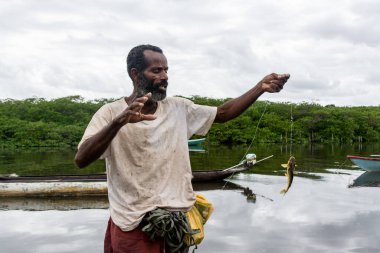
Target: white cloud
{"points": [[214, 48]]}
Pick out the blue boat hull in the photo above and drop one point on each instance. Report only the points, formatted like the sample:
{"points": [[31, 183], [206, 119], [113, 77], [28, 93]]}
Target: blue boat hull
{"points": [[196, 142], [366, 163]]}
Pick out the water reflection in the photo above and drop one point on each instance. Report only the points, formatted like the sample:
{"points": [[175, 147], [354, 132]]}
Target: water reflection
{"points": [[43, 161], [198, 149], [314, 216], [311, 158], [53, 203], [318, 214], [53, 231], [249, 195], [367, 179]]}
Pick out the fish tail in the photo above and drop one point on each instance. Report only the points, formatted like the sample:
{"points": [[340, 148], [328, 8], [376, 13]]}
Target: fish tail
{"points": [[283, 191]]}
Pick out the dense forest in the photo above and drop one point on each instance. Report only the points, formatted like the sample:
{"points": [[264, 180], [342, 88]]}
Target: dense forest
{"points": [[37, 122]]}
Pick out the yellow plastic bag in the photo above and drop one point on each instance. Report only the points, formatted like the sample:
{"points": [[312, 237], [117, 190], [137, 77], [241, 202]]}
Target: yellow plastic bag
{"points": [[197, 217], [204, 207]]}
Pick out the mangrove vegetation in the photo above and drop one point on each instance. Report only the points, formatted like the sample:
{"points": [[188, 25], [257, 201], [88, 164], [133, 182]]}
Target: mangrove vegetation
{"points": [[38, 122]]}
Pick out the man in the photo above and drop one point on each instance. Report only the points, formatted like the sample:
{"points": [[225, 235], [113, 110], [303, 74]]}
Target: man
{"points": [[143, 138]]}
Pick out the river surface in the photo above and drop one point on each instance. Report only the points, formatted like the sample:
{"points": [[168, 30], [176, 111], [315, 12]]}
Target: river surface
{"points": [[327, 209]]}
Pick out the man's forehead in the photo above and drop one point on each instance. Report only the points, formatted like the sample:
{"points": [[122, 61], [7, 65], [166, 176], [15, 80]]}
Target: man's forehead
{"points": [[155, 58]]}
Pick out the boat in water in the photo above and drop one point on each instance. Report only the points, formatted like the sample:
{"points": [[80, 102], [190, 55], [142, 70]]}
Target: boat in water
{"points": [[367, 163], [93, 185], [97, 202], [196, 142]]}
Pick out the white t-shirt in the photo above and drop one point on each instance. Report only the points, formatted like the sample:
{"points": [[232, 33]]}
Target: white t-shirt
{"points": [[147, 163]]}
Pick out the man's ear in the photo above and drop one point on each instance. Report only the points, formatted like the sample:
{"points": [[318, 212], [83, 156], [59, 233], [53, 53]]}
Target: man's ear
{"points": [[135, 75]]}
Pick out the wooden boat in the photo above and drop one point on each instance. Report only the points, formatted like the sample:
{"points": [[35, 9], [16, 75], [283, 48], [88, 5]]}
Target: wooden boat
{"points": [[89, 185], [371, 163], [38, 203], [196, 142]]}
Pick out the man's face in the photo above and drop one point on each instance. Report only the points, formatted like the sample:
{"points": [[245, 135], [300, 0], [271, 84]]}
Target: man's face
{"points": [[158, 90], [154, 78]]}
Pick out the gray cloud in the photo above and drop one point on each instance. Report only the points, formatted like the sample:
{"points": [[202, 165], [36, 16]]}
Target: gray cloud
{"points": [[219, 50], [356, 23]]}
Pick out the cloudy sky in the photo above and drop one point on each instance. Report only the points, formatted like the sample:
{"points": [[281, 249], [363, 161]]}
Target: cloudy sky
{"points": [[221, 48]]}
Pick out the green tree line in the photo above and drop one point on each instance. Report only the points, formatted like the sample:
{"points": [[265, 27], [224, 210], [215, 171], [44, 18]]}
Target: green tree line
{"points": [[37, 122]]}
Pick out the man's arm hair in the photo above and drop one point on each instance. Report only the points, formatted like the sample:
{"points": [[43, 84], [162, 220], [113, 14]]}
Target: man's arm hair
{"points": [[233, 108]]}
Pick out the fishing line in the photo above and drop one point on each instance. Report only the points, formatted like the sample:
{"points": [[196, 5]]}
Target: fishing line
{"points": [[291, 128], [341, 174], [253, 138], [257, 127]]}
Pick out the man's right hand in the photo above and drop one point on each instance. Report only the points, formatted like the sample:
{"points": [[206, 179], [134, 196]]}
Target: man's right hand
{"points": [[133, 112], [274, 82]]}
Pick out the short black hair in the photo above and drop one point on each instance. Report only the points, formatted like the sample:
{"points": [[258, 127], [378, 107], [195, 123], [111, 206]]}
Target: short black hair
{"points": [[136, 58]]}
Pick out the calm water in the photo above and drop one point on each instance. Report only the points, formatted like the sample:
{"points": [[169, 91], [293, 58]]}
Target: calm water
{"points": [[320, 213]]}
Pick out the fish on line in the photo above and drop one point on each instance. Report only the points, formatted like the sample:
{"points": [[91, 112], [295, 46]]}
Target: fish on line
{"points": [[290, 167]]}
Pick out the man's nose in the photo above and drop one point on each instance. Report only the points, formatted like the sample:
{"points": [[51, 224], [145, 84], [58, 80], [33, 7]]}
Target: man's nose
{"points": [[164, 76]]}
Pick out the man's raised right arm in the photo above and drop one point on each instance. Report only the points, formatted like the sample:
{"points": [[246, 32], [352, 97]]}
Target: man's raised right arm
{"points": [[92, 148]]}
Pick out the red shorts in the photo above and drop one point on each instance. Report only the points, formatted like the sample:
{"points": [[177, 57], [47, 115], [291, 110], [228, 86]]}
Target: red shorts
{"points": [[134, 241]]}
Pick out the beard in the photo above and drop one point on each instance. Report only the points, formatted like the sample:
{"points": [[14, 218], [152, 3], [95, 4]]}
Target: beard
{"points": [[147, 86]]}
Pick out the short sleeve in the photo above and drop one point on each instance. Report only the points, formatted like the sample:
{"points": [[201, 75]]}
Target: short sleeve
{"points": [[199, 118], [100, 119]]}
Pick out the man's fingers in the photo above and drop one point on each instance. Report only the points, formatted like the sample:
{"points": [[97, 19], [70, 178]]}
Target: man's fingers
{"points": [[144, 98], [139, 102], [133, 111], [283, 76], [138, 116], [148, 117], [136, 106], [277, 82], [274, 82]]}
